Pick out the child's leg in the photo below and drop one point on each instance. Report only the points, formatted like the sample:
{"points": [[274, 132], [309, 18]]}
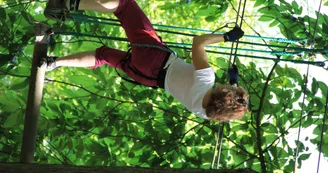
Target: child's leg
{"points": [[103, 6], [82, 59], [94, 58], [136, 24]]}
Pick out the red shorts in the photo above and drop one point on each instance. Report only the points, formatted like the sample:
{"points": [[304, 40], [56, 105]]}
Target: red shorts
{"points": [[138, 28]]}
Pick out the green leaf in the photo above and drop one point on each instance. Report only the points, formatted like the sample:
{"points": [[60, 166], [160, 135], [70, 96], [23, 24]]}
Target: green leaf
{"points": [[274, 23], [221, 62], [266, 18], [2, 14], [82, 80], [12, 119], [315, 86], [206, 11], [258, 3], [323, 87], [270, 128], [303, 157], [4, 59], [295, 6], [21, 85]]}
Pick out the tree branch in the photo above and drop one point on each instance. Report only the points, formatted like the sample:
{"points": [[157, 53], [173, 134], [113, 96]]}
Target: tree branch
{"points": [[258, 120], [240, 146]]}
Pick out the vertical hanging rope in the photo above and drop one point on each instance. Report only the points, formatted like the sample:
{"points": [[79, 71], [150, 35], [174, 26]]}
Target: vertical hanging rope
{"points": [[304, 90], [216, 147], [326, 107], [220, 149], [300, 124], [240, 25], [233, 43], [221, 125], [322, 132]]}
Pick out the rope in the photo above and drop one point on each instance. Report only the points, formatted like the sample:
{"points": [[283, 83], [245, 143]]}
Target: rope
{"points": [[300, 124], [322, 132], [315, 63], [184, 46], [216, 147], [100, 20], [304, 92], [326, 107], [220, 149], [241, 24], [220, 135], [85, 18], [154, 46], [281, 53]]}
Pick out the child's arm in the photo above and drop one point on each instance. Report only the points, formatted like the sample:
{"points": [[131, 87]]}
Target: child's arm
{"points": [[199, 57]]}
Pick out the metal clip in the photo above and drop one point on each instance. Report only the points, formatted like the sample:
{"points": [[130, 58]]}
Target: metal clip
{"points": [[325, 66]]}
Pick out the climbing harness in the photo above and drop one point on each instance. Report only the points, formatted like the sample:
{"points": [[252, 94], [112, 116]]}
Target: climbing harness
{"points": [[161, 74]]}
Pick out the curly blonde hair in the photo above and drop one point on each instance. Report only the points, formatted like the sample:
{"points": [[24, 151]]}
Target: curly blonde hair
{"points": [[227, 103]]}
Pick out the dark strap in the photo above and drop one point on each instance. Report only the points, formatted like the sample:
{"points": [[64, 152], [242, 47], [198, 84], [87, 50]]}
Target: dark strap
{"points": [[74, 5], [123, 62], [160, 79], [138, 73]]}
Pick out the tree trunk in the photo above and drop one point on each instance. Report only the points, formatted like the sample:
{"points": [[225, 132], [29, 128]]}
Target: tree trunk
{"points": [[34, 94], [38, 168]]}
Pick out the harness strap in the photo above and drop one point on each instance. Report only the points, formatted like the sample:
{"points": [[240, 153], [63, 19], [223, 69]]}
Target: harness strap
{"points": [[164, 48], [161, 74], [122, 62], [137, 72]]}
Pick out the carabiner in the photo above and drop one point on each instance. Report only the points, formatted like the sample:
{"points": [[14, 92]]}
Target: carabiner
{"points": [[325, 66], [226, 26]]}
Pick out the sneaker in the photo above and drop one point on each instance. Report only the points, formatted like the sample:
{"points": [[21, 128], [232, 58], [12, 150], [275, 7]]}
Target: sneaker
{"points": [[57, 10], [50, 62]]}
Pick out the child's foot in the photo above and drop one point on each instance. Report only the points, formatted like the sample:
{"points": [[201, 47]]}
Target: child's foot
{"points": [[50, 63], [58, 9]]}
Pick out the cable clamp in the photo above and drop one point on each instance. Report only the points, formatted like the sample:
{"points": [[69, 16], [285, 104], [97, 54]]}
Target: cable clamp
{"points": [[324, 65]]}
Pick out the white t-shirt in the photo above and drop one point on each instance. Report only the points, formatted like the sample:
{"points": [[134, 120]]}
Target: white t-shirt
{"points": [[188, 85]]}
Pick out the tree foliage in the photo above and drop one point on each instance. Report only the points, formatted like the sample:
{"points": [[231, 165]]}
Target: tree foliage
{"points": [[91, 117]]}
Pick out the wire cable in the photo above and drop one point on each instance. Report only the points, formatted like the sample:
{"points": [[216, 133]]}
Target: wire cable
{"points": [[322, 133], [304, 92]]}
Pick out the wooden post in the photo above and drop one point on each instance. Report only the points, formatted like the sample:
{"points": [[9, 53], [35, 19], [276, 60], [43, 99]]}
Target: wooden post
{"points": [[35, 93], [41, 168]]}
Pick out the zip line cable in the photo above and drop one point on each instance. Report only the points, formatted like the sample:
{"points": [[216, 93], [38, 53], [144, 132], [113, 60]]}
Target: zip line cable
{"points": [[326, 106], [300, 123], [322, 132], [100, 20], [304, 90], [187, 46]]}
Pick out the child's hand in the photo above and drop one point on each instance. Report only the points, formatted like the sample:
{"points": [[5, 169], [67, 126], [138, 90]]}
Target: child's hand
{"points": [[233, 35]]}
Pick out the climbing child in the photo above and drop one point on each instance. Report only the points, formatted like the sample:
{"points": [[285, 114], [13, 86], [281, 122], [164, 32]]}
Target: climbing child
{"points": [[152, 64]]}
